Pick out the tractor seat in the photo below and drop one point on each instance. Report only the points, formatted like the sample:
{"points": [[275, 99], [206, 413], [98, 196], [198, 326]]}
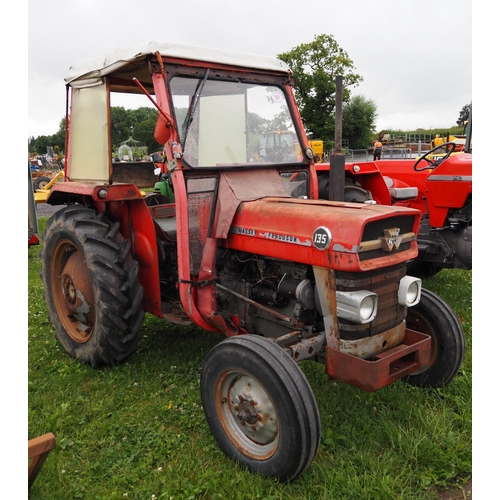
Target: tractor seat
{"points": [[399, 190], [168, 226], [164, 216]]}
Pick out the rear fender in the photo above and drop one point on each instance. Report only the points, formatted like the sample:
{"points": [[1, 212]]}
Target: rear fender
{"points": [[122, 203], [449, 186], [137, 226], [402, 170]]}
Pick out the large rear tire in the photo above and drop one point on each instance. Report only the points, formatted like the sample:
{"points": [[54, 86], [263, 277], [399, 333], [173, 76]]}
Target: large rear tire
{"points": [[434, 317], [91, 287], [260, 407], [353, 192]]}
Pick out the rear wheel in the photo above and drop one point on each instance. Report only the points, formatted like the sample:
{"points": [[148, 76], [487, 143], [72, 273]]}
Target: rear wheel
{"points": [[260, 407], [353, 192], [91, 286], [434, 317]]}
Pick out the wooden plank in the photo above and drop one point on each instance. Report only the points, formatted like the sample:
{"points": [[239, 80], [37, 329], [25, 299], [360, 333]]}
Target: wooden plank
{"points": [[38, 449]]}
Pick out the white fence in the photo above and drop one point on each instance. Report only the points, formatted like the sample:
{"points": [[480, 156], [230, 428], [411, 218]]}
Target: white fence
{"points": [[388, 153]]}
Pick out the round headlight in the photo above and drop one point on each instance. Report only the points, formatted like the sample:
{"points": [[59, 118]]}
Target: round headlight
{"points": [[366, 308], [412, 293], [409, 291]]}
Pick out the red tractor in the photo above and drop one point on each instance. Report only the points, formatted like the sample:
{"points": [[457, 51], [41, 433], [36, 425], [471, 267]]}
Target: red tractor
{"points": [[224, 245], [438, 184]]}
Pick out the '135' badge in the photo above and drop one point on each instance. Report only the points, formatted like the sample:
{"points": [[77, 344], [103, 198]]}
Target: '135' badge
{"points": [[322, 237]]}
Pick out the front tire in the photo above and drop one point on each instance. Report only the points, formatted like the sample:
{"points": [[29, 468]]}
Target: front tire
{"points": [[91, 287], [260, 407], [434, 317]]}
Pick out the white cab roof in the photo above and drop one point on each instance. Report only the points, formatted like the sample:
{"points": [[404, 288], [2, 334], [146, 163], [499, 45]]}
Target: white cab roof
{"points": [[90, 72]]}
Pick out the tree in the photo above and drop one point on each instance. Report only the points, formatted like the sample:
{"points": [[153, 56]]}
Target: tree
{"points": [[144, 119], [358, 122], [144, 113], [121, 125], [31, 144], [464, 114], [144, 132], [125, 123], [315, 66], [42, 142], [59, 138], [136, 123]]}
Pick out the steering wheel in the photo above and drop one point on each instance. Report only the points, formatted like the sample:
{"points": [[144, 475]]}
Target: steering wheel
{"points": [[434, 163]]}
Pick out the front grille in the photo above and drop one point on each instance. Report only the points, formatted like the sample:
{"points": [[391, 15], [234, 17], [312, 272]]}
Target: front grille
{"points": [[383, 282], [373, 231]]}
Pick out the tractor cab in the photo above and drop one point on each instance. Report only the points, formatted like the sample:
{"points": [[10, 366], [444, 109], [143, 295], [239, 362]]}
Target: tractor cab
{"points": [[214, 110], [210, 117]]}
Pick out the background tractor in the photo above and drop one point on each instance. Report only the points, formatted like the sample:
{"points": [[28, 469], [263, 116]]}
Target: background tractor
{"points": [[438, 184]]}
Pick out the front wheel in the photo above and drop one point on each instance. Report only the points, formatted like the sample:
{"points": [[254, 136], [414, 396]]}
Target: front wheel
{"points": [[91, 286], [260, 407], [434, 317]]}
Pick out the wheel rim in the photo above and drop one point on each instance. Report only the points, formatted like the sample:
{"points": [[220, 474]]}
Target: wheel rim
{"points": [[72, 291], [419, 323], [247, 414]]}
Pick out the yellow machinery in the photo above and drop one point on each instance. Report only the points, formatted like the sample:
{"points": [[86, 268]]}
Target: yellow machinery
{"points": [[319, 154], [459, 140], [280, 140], [41, 195]]}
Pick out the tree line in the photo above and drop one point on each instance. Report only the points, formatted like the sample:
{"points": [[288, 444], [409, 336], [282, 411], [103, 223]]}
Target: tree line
{"points": [[125, 123], [314, 66]]}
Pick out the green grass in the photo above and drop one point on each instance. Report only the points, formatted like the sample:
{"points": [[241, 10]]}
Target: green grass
{"points": [[138, 431]]}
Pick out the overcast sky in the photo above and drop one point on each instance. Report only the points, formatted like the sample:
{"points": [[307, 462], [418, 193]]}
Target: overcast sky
{"points": [[415, 57]]}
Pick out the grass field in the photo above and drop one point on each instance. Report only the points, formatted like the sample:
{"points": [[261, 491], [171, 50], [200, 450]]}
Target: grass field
{"points": [[138, 431]]}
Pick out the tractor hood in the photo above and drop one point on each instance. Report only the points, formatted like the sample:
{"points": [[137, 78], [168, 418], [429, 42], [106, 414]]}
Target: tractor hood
{"points": [[343, 236]]}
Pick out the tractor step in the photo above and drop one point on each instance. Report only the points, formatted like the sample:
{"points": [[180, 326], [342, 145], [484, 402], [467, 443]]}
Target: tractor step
{"points": [[175, 314]]}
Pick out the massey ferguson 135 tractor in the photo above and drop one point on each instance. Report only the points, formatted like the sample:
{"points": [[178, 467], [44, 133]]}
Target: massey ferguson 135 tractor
{"points": [[439, 184], [227, 248]]}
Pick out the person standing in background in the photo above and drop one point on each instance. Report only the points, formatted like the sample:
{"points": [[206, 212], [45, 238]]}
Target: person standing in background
{"points": [[377, 150]]}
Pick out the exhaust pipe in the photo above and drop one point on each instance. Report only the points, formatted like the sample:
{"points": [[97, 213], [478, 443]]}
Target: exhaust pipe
{"points": [[337, 160]]}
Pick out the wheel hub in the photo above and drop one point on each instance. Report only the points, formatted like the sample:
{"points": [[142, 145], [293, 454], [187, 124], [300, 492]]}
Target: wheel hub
{"points": [[77, 291], [249, 407], [245, 412], [69, 291]]}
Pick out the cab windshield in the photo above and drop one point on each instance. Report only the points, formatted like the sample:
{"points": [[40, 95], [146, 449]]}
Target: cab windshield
{"points": [[229, 123]]}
